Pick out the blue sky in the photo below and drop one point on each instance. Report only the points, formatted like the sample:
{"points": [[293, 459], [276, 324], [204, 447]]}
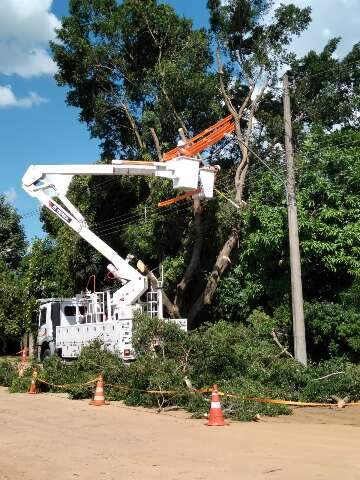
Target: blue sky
{"points": [[36, 126]]}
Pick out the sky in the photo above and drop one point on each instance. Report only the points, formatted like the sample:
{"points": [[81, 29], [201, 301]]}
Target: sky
{"points": [[36, 125]]}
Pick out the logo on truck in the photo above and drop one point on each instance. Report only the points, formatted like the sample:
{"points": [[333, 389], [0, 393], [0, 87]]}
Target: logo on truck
{"points": [[59, 212]]}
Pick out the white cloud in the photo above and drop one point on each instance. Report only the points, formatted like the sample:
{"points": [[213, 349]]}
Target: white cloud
{"points": [[330, 18], [26, 26], [326, 33], [11, 195], [8, 98], [26, 63]]}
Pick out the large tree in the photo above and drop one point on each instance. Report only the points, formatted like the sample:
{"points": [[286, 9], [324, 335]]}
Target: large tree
{"points": [[254, 50], [137, 70]]}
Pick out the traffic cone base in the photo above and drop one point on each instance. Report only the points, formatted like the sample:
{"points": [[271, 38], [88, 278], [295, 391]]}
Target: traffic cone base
{"points": [[32, 389], [216, 418], [99, 399]]}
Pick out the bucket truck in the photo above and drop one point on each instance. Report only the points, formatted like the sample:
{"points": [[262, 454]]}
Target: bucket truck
{"points": [[68, 324]]}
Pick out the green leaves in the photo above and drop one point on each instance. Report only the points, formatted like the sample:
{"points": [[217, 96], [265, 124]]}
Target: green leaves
{"points": [[10, 302], [12, 236], [138, 53], [326, 89], [329, 211], [240, 28]]}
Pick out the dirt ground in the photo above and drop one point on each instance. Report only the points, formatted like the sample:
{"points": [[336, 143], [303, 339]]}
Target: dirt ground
{"points": [[48, 437]]}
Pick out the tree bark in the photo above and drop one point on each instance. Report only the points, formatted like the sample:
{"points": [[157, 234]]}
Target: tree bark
{"points": [[221, 264], [243, 137], [194, 263], [133, 125], [157, 144]]}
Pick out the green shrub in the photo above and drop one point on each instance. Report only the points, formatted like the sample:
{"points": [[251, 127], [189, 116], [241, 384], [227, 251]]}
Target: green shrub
{"points": [[243, 360], [333, 330], [7, 372], [346, 382]]}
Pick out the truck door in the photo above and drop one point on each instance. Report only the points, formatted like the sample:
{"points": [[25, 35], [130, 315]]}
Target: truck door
{"points": [[55, 318]]}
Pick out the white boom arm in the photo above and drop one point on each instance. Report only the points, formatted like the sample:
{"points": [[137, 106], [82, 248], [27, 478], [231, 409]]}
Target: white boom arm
{"points": [[45, 182]]}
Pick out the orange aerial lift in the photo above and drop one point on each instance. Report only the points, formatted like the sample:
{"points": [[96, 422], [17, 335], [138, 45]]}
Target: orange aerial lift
{"points": [[205, 139]]}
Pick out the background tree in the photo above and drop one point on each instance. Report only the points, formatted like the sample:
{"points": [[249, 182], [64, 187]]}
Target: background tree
{"points": [[12, 237], [12, 248], [328, 203]]}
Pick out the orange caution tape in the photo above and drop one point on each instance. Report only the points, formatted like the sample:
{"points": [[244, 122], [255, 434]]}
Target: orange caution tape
{"points": [[205, 390], [288, 402], [301, 404], [68, 384]]}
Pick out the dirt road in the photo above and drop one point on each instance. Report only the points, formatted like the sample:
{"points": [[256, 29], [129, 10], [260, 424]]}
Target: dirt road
{"points": [[48, 437]]}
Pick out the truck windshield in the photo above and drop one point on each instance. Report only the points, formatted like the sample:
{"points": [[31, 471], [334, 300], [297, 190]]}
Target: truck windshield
{"points": [[42, 319], [70, 311]]}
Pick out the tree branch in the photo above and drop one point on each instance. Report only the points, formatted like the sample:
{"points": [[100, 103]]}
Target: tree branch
{"points": [[221, 264], [226, 97], [131, 119], [157, 144], [326, 376], [177, 116], [283, 349]]}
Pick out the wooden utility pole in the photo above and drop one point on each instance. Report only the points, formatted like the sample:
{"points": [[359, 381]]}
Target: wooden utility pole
{"points": [[295, 263]]}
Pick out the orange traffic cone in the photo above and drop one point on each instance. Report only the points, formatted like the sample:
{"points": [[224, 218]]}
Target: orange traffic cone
{"points": [[216, 418], [32, 388], [99, 399]]}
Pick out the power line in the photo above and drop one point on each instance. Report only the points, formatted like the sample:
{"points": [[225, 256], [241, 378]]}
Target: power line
{"points": [[150, 215], [117, 229], [126, 216]]}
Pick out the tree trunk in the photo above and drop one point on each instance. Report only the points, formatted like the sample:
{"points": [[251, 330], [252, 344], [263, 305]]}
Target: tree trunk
{"points": [[221, 264], [194, 263], [157, 144]]}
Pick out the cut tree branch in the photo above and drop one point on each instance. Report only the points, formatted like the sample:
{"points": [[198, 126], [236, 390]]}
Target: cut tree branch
{"points": [[327, 376], [283, 349]]}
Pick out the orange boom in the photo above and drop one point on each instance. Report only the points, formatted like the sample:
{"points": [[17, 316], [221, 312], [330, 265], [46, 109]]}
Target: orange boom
{"points": [[203, 140]]}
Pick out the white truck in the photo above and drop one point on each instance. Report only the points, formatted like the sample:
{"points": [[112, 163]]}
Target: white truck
{"points": [[66, 325]]}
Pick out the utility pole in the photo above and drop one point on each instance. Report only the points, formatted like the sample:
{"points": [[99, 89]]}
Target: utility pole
{"points": [[295, 263]]}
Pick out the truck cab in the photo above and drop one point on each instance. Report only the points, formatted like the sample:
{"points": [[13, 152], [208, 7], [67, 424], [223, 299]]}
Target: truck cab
{"points": [[57, 313]]}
